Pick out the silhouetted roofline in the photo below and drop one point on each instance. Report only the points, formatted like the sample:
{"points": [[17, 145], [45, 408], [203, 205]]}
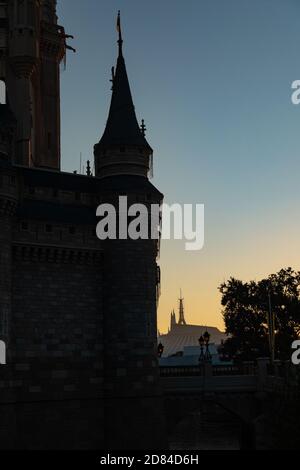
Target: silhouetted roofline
{"points": [[122, 128], [37, 177]]}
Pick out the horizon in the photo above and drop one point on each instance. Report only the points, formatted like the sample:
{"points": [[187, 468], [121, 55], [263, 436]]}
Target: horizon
{"points": [[225, 123]]}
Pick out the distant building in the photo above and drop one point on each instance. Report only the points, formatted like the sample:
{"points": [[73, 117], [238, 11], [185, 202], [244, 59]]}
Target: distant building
{"points": [[183, 339]]}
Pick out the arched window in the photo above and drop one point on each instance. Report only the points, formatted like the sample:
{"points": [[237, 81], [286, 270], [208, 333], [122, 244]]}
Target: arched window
{"points": [[2, 92]]}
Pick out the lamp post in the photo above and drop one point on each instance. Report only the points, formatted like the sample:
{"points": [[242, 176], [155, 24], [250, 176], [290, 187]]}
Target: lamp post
{"points": [[207, 355], [271, 329], [201, 343]]}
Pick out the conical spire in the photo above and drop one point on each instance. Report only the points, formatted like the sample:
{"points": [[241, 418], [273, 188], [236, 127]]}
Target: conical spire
{"points": [[181, 310], [122, 128], [173, 320]]}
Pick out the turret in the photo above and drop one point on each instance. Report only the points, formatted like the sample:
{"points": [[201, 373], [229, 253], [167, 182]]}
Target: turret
{"points": [[32, 46], [52, 52], [24, 29], [130, 280], [173, 320], [20, 63], [49, 11], [123, 148]]}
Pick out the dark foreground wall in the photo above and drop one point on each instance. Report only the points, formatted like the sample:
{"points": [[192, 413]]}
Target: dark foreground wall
{"points": [[78, 317]]}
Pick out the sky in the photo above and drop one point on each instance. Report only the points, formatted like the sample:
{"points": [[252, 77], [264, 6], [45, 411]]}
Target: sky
{"points": [[212, 79]]}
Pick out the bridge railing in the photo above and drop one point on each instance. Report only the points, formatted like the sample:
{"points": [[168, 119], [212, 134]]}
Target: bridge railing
{"points": [[208, 369], [241, 369], [281, 378], [181, 371]]}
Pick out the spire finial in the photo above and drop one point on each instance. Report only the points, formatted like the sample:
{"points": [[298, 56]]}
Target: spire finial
{"points": [[181, 310], [119, 29]]}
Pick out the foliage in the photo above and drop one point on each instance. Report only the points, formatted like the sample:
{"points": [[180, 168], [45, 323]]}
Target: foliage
{"points": [[245, 312]]}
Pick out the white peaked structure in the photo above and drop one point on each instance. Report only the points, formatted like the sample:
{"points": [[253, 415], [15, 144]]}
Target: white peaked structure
{"points": [[182, 335]]}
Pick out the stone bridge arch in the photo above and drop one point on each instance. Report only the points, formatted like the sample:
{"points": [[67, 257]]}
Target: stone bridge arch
{"points": [[244, 407]]}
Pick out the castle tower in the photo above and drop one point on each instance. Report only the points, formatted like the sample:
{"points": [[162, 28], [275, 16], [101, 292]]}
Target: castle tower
{"points": [[32, 46], [131, 278], [181, 311], [173, 320], [123, 149]]}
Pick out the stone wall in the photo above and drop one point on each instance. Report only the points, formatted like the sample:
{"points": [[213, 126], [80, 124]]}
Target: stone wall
{"points": [[82, 367], [51, 392]]}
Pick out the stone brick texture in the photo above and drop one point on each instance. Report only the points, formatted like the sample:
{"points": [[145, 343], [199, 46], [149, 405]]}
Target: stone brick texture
{"points": [[79, 320]]}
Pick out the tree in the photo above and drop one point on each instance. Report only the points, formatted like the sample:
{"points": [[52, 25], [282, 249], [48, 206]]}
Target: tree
{"points": [[245, 312]]}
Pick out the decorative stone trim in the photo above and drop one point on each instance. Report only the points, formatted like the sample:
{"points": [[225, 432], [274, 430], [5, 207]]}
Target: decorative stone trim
{"points": [[56, 254], [53, 41]]}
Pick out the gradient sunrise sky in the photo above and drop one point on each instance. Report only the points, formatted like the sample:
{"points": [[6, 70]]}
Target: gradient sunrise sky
{"points": [[212, 79]]}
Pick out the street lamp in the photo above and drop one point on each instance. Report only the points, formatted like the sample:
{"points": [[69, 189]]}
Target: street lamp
{"points": [[201, 343], [271, 328], [206, 337]]}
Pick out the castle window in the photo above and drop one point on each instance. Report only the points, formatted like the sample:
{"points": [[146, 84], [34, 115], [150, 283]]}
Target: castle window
{"points": [[72, 230], [122, 149], [13, 180], [24, 226], [49, 228]]}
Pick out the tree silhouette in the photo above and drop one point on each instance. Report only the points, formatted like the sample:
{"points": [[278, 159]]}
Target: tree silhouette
{"points": [[245, 312]]}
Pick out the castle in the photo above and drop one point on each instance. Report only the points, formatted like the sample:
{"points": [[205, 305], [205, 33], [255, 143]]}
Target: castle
{"points": [[77, 315], [182, 335]]}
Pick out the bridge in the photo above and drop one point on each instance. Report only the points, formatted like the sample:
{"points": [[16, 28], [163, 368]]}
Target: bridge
{"points": [[207, 378], [246, 377], [242, 390]]}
